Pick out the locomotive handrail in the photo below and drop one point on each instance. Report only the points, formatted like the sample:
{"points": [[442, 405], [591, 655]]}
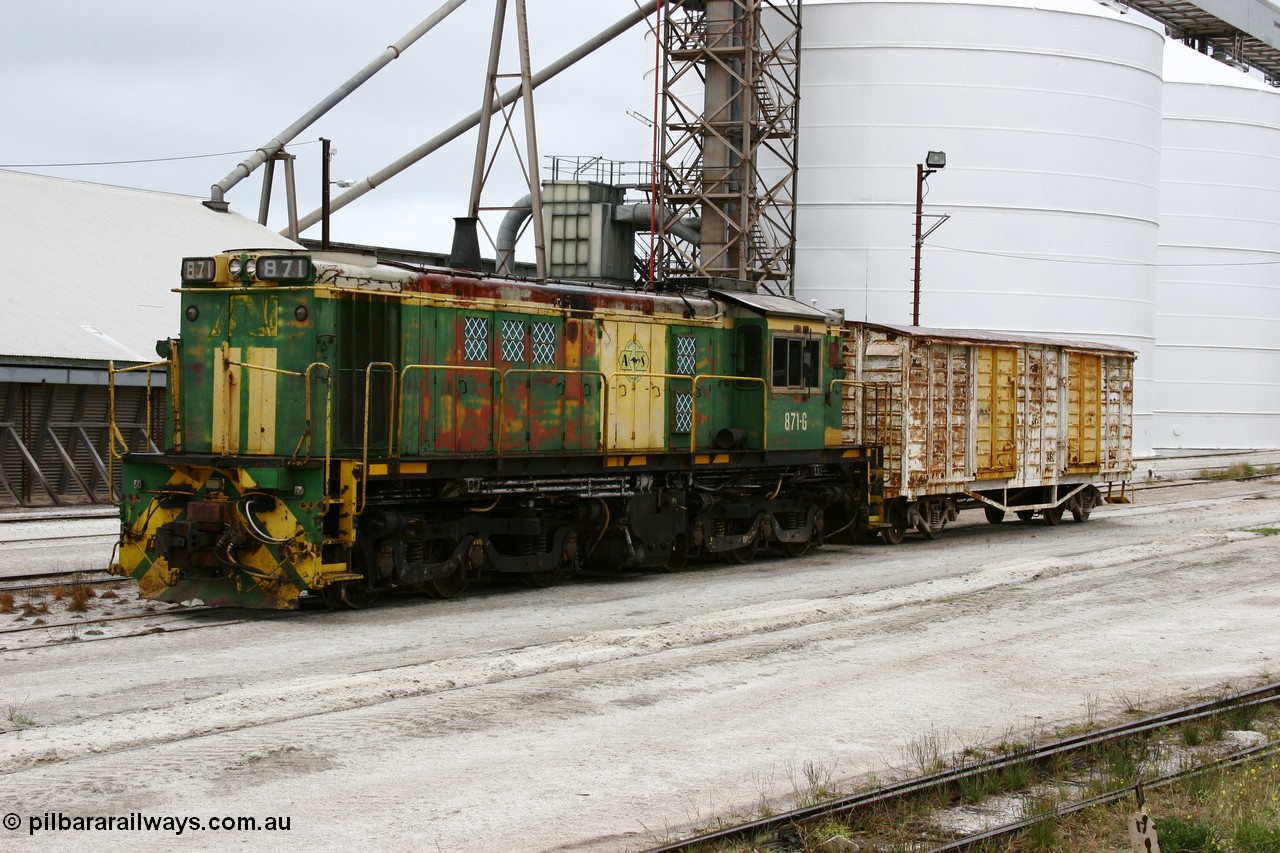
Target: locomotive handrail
{"points": [[404, 372], [115, 434], [865, 385], [391, 427], [307, 432], [626, 374], [601, 441], [175, 396]]}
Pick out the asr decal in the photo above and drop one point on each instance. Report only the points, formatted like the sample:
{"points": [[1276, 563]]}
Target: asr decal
{"points": [[633, 358]]}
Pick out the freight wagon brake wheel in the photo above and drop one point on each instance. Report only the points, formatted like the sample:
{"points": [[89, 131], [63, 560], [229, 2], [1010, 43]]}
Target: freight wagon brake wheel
{"points": [[994, 515], [1026, 514]]}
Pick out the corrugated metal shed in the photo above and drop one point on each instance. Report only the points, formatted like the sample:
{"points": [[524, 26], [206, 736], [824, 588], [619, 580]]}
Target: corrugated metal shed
{"points": [[87, 270]]}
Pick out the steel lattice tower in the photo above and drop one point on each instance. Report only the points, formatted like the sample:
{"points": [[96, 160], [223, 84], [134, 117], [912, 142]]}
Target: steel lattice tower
{"points": [[730, 106]]}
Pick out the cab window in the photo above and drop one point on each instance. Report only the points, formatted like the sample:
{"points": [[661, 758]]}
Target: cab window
{"points": [[795, 364]]}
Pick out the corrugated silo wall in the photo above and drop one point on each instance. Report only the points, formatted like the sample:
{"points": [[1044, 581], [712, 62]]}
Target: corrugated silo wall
{"points": [[1218, 297]]}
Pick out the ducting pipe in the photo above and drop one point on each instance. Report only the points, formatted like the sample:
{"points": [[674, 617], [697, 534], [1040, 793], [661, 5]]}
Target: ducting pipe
{"points": [[505, 243], [641, 215], [644, 216]]}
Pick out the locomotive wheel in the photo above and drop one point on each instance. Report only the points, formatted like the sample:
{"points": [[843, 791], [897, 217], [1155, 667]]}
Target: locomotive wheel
{"points": [[994, 516], [351, 595], [678, 559], [1026, 514], [795, 549], [450, 586], [1053, 515], [542, 580], [893, 534], [739, 556]]}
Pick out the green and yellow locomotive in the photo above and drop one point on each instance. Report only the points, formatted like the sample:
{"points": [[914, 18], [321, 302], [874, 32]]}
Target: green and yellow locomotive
{"points": [[340, 426]]}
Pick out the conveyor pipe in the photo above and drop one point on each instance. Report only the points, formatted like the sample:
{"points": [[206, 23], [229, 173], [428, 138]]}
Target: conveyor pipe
{"points": [[218, 191], [440, 140]]}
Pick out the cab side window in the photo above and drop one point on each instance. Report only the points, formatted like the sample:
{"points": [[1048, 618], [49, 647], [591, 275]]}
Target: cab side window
{"points": [[795, 364]]}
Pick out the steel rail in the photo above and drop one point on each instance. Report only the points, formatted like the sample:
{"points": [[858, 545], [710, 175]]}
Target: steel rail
{"points": [[1235, 759], [52, 514], [901, 790]]}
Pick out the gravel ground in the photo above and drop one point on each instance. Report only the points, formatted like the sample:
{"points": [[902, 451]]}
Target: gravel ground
{"points": [[608, 713]]}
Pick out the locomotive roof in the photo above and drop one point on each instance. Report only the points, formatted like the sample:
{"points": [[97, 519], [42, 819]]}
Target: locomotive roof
{"points": [[365, 271], [984, 336]]}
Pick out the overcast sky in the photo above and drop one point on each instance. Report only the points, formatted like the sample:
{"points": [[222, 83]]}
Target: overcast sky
{"points": [[83, 81]]}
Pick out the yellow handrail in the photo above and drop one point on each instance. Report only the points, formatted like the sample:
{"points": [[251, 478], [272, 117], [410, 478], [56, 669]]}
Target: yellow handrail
{"points": [[305, 374], [497, 387], [764, 406], [114, 431], [604, 397], [626, 374], [175, 395], [876, 387], [391, 427]]}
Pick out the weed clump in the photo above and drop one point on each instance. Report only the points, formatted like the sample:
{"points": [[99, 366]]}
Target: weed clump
{"points": [[35, 608], [80, 596], [6, 602]]}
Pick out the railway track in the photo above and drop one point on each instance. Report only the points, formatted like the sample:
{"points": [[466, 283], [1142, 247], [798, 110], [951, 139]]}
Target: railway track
{"points": [[777, 832]]}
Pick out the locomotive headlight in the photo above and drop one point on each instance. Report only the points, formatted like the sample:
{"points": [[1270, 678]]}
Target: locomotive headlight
{"points": [[301, 313], [251, 267], [192, 313], [235, 266]]}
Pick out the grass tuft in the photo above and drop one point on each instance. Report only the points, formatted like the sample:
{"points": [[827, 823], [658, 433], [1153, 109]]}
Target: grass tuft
{"points": [[1232, 472], [1187, 836], [17, 714], [6, 602], [925, 754]]}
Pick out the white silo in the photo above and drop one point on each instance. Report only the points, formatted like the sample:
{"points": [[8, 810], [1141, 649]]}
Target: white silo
{"points": [[1218, 291], [1049, 114]]}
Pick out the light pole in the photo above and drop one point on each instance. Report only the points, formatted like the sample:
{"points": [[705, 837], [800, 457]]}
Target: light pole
{"points": [[326, 154], [933, 161]]}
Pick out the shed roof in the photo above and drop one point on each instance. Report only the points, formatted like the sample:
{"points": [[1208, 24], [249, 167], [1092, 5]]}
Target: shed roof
{"points": [[87, 270]]}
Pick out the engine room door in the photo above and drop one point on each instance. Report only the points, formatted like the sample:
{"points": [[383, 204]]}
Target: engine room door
{"points": [[637, 403]]}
